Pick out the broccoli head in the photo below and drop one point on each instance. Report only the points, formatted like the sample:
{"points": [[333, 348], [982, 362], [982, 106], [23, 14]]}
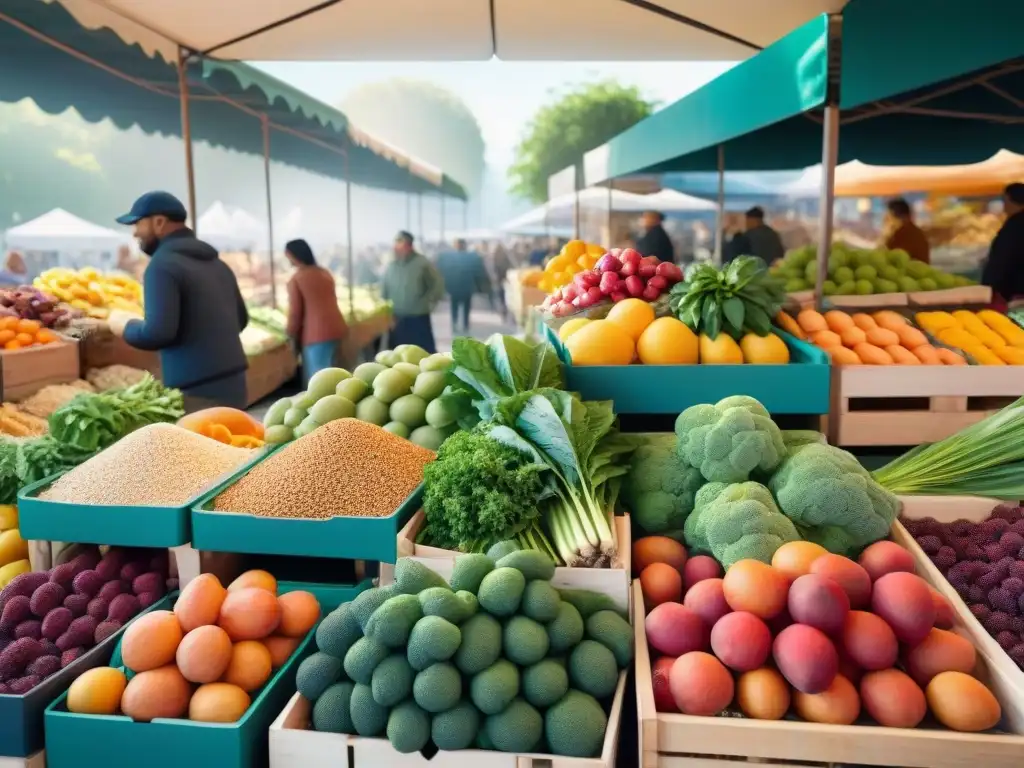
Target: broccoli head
{"points": [[660, 487], [832, 499], [797, 438], [737, 521], [729, 440]]}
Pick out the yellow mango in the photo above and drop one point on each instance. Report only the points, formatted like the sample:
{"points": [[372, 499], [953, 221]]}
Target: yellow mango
{"points": [[764, 350], [1010, 355], [9, 571], [722, 350], [985, 356], [957, 337], [935, 321], [574, 249], [12, 547], [8, 517]]}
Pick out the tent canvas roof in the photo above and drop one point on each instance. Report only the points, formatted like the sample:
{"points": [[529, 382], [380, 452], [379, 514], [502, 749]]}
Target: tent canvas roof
{"points": [[59, 230]]}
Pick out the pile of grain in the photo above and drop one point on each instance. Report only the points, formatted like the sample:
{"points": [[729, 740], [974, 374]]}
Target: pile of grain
{"points": [[158, 465], [346, 468], [51, 398]]}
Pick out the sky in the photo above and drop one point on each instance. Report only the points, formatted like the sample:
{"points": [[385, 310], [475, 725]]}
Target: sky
{"points": [[503, 95]]}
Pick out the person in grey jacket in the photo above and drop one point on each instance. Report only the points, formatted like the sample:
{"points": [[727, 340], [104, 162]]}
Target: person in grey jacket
{"points": [[763, 241]]}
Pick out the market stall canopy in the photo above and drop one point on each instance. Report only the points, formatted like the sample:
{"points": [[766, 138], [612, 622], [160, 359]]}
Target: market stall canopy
{"points": [[559, 210], [61, 231], [460, 30], [855, 179], [64, 55]]}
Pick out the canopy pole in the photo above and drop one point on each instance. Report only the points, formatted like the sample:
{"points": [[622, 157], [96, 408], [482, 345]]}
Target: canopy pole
{"points": [[186, 135], [829, 155], [442, 218], [408, 211], [351, 276], [576, 215], [720, 209], [265, 122]]}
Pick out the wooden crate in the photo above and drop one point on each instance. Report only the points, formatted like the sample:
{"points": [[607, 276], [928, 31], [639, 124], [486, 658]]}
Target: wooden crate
{"points": [[292, 744], [1010, 680], [871, 301], [613, 581], [914, 404], [38, 760], [952, 297], [683, 741], [101, 348], [268, 371], [24, 372]]}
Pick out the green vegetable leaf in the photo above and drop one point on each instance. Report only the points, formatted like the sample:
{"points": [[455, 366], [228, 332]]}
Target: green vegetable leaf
{"points": [[711, 319], [734, 312]]}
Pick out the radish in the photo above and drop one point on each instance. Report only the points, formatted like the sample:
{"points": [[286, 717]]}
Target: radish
{"points": [[609, 282], [595, 294], [629, 254], [628, 268], [616, 252], [650, 292], [569, 292], [561, 309], [646, 269], [634, 286], [658, 282], [670, 272], [578, 301], [584, 280], [618, 296], [608, 263]]}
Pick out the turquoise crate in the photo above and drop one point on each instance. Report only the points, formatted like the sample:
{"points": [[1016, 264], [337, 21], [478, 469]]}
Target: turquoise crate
{"points": [[21, 717], [345, 538], [127, 526], [801, 387], [330, 596], [116, 741]]}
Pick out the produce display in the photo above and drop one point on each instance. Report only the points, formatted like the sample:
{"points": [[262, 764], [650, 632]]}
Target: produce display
{"points": [[114, 377], [15, 422], [48, 619], [29, 303], [987, 336], [630, 333], [205, 660], [52, 398], [495, 659], [615, 276], [879, 338], [732, 485], [815, 633], [93, 293], [856, 271], [574, 257], [401, 392], [158, 465], [225, 425], [256, 340], [18, 334], [13, 549], [346, 468]]}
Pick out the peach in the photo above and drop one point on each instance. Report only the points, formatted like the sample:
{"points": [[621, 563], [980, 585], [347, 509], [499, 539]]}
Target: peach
{"points": [[741, 641], [762, 694], [892, 698], [945, 618], [905, 602], [661, 583], [819, 602], [838, 704], [658, 549], [281, 648], [869, 641], [847, 574], [752, 586], [699, 568], [249, 613], [660, 670], [151, 641], [199, 602], [941, 651], [204, 654], [884, 557], [254, 578], [794, 558], [701, 685], [300, 610], [674, 629], [707, 599], [962, 703], [806, 658]]}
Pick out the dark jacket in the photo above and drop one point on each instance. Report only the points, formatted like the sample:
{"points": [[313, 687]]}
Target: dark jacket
{"points": [[656, 242], [464, 274], [738, 246], [765, 243], [194, 313], [912, 239], [1004, 269]]}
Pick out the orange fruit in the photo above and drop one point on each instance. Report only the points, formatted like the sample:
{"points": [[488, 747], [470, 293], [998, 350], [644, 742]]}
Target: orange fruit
{"points": [[667, 341], [633, 316], [6, 336], [28, 326], [764, 350], [600, 342], [569, 327], [25, 339], [12, 345]]}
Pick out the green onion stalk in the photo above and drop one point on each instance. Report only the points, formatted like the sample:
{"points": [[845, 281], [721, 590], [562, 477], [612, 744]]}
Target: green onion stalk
{"points": [[581, 525], [986, 459]]}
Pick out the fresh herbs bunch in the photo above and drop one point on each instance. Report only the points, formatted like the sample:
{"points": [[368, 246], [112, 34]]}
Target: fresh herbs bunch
{"points": [[741, 297]]}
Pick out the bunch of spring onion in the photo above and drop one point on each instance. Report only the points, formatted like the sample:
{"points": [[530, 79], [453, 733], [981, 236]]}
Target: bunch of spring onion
{"points": [[985, 459]]}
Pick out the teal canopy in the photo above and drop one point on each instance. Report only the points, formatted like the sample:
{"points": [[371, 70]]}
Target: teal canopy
{"points": [[47, 56], [923, 83]]}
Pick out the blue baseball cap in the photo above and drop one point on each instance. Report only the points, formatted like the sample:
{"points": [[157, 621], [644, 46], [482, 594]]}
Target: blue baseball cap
{"points": [[154, 204]]}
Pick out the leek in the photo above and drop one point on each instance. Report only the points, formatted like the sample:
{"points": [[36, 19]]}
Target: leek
{"points": [[985, 459]]}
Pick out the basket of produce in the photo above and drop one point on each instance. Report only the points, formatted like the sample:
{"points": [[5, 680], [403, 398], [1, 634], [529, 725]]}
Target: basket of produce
{"points": [[91, 292], [464, 669], [65, 621], [137, 492], [207, 677], [722, 320], [343, 490], [34, 357]]}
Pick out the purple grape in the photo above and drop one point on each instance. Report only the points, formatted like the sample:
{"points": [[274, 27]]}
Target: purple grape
{"points": [[997, 622], [930, 544]]}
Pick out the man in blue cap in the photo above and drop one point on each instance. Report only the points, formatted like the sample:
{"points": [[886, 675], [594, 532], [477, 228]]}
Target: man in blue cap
{"points": [[194, 310]]}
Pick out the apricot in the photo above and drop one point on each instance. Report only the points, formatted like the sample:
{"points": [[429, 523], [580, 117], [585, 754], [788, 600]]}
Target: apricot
{"points": [[892, 698], [752, 586], [658, 549], [854, 580], [661, 583], [806, 658], [763, 694], [281, 648], [218, 703], [940, 651], [962, 703], [299, 612], [250, 665], [199, 602], [254, 578], [794, 558], [160, 692], [707, 599], [884, 557], [838, 704], [700, 684], [905, 602], [741, 641], [869, 641], [249, 613], [203, 654], [151, 641]]}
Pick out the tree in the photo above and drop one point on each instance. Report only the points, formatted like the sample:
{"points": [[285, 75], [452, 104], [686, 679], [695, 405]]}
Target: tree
{"points": [[560, 133], [426, 120]]}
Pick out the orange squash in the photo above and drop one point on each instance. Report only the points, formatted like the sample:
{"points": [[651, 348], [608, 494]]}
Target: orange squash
{"points": [[237, 422]]}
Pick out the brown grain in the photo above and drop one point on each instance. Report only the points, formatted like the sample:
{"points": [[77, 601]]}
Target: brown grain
{"points": [[157, 465], [346, 468]]}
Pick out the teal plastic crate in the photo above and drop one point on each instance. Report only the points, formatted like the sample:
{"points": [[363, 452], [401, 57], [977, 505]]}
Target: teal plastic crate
{"points": [[128, 526], [330, 596], [346, 538], [116, 741], [801, 387], [21, 717]]}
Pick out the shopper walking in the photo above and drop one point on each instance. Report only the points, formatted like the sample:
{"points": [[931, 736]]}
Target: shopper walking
{"points": [[315, 323], [764, 241], [907, 235], [1004, 268], [655, 240], [464, 274], [414, 287], [194, 310]]}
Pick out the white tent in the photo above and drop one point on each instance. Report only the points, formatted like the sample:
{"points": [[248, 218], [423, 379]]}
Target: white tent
{"points": [[64, 232], [558, 212], [231, 229]]}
